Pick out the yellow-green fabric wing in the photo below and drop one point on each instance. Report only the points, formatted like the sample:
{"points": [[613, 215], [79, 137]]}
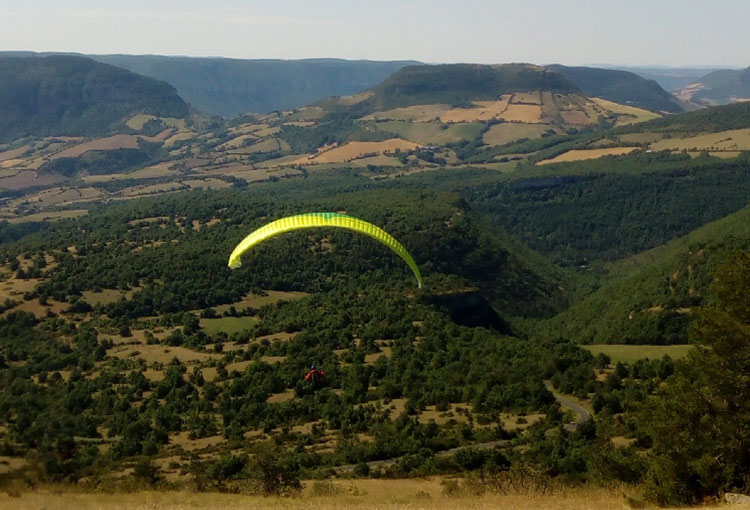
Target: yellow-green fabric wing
{"points": [[326, 219]]}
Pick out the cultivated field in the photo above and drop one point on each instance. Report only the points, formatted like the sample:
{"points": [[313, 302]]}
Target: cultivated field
{"points": [[420, 113], [482, 111], [501, 134], [628, 114], [632, 353], [732, 140], [50, 216], [100, 144], [582, 154], [429, 133], [355, 150]]}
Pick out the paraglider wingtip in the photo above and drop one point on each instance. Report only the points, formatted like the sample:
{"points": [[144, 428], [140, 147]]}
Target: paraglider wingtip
{"points": [[234, 264]]}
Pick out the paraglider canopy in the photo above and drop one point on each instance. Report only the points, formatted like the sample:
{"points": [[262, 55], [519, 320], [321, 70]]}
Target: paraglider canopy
{"points": [[322, 219]]}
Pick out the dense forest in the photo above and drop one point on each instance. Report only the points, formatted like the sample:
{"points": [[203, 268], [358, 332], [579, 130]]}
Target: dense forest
{"points": [[76, 96]]}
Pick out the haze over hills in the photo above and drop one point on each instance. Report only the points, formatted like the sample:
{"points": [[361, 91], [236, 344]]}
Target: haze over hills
{"points": [[229, 87], [669, 78], [76, 96], [719, 87]]}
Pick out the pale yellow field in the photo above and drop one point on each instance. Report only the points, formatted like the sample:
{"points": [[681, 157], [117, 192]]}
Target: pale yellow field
{"points": [[632, 114], [14, 153], [732, 140], [39, 310], [55, 196], [381, 160], [50, 216], [483, 111], [160, 353], [100, 144], [269, 145], [354, 150], [500, 134], [138, 191], [420, 113], [10, 163], [583, 154], [356, 98], [208, 183], [256, 301], [138, 121], [189, 135], [268, 131], [528, 113], [366, 494], [237, 142]]}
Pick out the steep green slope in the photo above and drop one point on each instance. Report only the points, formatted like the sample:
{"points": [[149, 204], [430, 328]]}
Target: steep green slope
{"points": [[228, 87], [709, 120], [64, 95], [724, 86], [613, 208], [651, 296], [619, 86]]}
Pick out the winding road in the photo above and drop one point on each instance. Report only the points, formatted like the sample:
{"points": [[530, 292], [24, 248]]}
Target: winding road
{"points": [[583, 415]]}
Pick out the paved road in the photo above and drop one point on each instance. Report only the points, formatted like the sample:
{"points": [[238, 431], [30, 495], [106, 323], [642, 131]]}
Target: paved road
{"points": [[583, 415], [443, 453]]}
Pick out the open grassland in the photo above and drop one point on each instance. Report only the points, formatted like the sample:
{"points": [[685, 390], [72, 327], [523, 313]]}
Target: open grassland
{"points": [[138, 121], [419, 113], [632, 353], [355, 150], [228, 325], [159, 353], [57, 196], [269, 297], [50, 216], [413, 494], [482, 111], [626, 114], [188, 135], [731, 140], [379, 161], [432, 133], [501, 134], [528, 113], [100, 144], [646, 137], [583, 154], [356, 98]]}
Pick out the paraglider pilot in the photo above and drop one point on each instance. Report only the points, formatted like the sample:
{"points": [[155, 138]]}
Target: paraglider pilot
{"points": [[315, 377]]}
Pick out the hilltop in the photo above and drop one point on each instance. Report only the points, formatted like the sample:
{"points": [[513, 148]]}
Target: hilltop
{"points": [[621, 87], [719, 87], [76, 96]]}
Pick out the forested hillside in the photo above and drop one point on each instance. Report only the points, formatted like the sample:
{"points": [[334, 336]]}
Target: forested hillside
{"points": [[620, 86], [230, 87], [76, 96]]}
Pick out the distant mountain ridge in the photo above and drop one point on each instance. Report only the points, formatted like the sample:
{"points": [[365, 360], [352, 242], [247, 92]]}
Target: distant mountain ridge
{"points": [[76, 96], [720, 87], [621, 87], [229, 87]]}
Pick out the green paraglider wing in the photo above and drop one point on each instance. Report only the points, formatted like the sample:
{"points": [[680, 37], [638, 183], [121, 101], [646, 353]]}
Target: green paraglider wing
{"points": [[326, 219]]}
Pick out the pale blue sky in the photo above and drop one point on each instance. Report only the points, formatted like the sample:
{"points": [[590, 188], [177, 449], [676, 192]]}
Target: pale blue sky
{"points": [[623, 32]]}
